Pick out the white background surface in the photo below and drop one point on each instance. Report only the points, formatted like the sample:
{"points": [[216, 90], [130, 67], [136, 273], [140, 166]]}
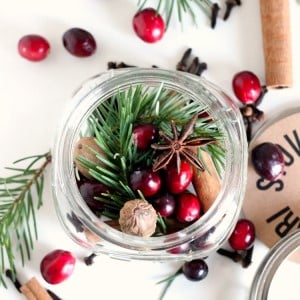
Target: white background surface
{"points": [[33, 97]]}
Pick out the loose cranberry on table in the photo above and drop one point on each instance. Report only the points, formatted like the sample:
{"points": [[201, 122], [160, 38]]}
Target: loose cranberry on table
{"points": [[195, 270], [188, 207], [57, 266], [246, 87], [33, 47], [79, 42], [268, 160], [144, 135], [243, 235], [177, 182], [147, 181], [149, 25]]}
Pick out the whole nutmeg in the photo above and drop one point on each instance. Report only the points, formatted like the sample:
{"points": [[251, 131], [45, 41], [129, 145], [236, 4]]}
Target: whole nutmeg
{"points": [[138, 217], [83, 148]]}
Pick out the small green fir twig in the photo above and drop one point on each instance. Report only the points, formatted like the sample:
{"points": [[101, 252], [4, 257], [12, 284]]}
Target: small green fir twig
{"points": [[18, 228], [168, 281]]}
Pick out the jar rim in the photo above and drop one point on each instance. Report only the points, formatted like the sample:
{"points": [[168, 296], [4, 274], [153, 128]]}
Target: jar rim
{"points": [[63, 156]]}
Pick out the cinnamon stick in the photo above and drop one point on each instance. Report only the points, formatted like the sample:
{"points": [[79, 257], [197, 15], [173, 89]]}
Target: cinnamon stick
{"points": [[276, 34], [32, 290], [207, 183]]}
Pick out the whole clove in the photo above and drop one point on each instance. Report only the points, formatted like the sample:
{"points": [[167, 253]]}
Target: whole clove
{"points": [[251, 114], [233, 255], [247, 259], [182, 65], [195, 67], [89, 260], [230, 4], [244, 257], [214, 15], [121, 65]]}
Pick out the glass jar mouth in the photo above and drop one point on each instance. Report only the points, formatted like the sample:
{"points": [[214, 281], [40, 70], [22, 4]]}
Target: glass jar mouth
{"points": [[87, 99], [276, 256]]}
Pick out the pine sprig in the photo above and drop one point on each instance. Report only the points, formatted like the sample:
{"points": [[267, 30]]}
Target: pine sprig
{"points": [[20, 196], [112, 124], [185, 7]]}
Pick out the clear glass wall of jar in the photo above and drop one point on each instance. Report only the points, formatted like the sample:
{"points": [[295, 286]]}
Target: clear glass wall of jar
{"points": [[211, 230]]}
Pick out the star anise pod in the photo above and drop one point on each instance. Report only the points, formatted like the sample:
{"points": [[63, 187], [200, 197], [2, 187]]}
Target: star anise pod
{"points": [[180, 145]]}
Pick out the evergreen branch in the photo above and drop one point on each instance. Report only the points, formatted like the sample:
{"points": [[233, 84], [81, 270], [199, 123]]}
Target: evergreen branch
{"points": [[17, 210], [113, 122]]}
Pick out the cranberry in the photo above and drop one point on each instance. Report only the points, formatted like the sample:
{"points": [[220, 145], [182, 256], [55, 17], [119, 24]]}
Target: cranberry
{"points": [[188, 207], [144, 135], [79, 42], [183, 248], [243, 235], [195, 270], [177, 182], [91, 189], [268, 161], [147, 181], [246, 87], [33, 47], [57, 266], [164, 204], [149, 25]]}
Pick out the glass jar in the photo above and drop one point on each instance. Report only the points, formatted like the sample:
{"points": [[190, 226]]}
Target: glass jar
{"points": [[211, 230], [265, 284]]}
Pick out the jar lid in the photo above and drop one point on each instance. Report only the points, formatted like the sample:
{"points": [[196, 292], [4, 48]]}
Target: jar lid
{"points": [[277, 276], [274, 207]]}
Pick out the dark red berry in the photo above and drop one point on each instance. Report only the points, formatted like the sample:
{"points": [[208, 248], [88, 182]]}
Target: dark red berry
{"points": [[91, 189], [268, 160], [243, 235], [183, 248], [188, 207], [79, 42], [33, 47], [195, 270], [147, 181], [149, 25], [177, 182], [246, 87], [164, 204], [57, 266], [144, 135]]}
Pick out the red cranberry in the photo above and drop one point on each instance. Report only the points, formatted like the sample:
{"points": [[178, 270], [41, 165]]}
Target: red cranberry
{"points": [[149, 25], [188, 207], [144, 135], [243, 235], [91, 189], [164, 204], [147, 181], [183, 248], [195, 270], [246, 87], [177, 182], [57, 266], [268, 161], [33, 47], [79, 42]]}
